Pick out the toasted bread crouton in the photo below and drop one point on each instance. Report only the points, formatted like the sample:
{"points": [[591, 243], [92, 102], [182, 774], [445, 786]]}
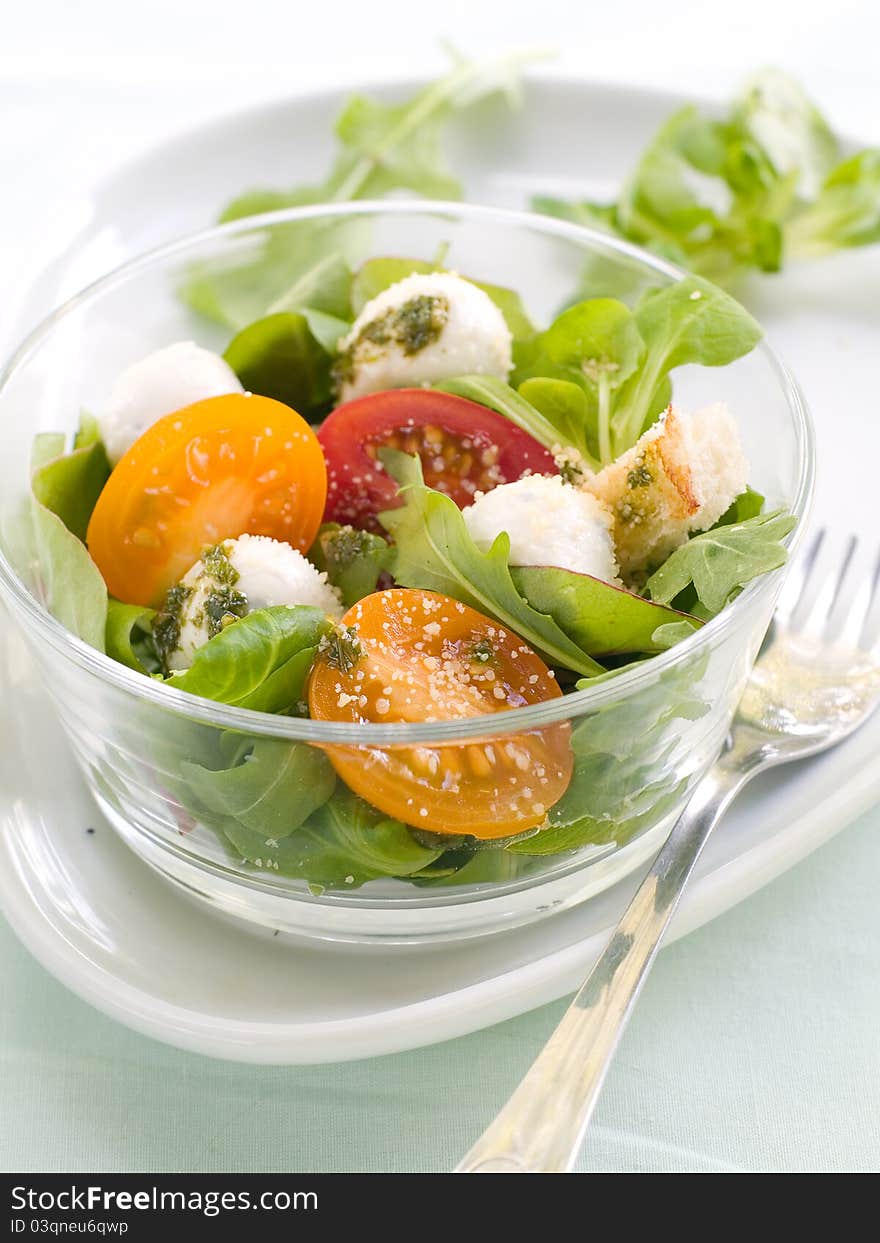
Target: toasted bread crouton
{"points": [[679, 477]]}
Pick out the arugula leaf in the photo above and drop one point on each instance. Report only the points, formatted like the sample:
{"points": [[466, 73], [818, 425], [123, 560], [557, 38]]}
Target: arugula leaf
{"points": [[602, 619], [433, 550], [271, 788], [690, 321], [299, 266], [279, 357], [377, 275], [721, 561], [353, 559], [342, 845], [381, 148], [128, 636], [259, 662]]}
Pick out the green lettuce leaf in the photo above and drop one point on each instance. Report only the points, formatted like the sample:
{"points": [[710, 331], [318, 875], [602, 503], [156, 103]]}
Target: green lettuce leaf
{"points": [[51, 561], [489, 391], [260, 662], [271, 787], [128, 636], [305, 266], [433, 550], [603, 620], [690, 321], [342, 845], [720, 562], [279, 357], [69, 485]]}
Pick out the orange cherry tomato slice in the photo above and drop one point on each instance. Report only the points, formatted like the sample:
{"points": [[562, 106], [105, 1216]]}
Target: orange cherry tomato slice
{"points": [[224, 467], [421, 656]]}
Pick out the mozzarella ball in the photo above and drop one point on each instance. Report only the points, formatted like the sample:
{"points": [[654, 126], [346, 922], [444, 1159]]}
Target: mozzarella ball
{"points": [[549, 522], [159, 384], [423, 329], [231, 580]]}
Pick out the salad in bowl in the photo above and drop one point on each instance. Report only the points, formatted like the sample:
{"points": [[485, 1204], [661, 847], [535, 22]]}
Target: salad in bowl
{"points": [[411, 607]]}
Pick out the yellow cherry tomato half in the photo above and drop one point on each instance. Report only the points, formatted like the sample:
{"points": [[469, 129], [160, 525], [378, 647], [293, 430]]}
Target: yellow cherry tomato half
{"points": [[420, 656], [224, 467]]}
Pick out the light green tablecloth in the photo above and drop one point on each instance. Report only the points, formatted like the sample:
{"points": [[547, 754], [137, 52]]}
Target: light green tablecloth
{"points": [[755, 1047]]}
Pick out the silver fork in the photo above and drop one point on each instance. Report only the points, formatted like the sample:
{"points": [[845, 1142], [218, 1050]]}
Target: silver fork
{"points": [[817, 679]]}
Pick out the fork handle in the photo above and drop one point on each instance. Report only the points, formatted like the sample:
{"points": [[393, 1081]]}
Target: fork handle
{"points": [[542, 1126]]}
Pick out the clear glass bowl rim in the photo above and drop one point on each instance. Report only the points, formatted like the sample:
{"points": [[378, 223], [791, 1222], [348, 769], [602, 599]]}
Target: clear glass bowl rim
{"points": [[577, 703]]}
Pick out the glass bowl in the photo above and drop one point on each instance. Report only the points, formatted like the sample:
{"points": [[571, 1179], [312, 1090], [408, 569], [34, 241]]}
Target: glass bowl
{"points": [[151, 756]]}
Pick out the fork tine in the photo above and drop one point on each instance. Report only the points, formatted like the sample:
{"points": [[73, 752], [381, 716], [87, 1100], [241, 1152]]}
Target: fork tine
{"points": [[870, 632], [800, 586], [840, 596]]}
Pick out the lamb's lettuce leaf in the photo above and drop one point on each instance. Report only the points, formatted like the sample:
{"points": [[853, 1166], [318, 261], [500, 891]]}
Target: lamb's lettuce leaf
{"points": [[433, 550], [720, 562], [765, 184], [603, 620]]}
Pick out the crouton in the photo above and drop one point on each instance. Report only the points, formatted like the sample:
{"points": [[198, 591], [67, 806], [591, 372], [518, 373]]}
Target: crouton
{"points": [[679, 477]]}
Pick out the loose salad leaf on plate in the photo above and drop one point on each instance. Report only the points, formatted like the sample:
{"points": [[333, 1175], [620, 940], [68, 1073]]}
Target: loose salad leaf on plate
{"points": [[750, 190]]}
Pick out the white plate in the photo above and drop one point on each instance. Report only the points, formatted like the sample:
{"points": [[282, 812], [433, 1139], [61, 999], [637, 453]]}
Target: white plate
{"points": [[119, 936]]}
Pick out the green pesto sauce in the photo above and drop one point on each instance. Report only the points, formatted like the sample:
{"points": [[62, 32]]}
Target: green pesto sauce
{"points": [[639, 477], [222, 605], [343, 547], [166, 624], [482, 652], [411, 327], [217, 564], [341, 649]]}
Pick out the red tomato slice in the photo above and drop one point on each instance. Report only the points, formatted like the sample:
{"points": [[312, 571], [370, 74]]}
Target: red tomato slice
{"points": [[464, 448]]}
